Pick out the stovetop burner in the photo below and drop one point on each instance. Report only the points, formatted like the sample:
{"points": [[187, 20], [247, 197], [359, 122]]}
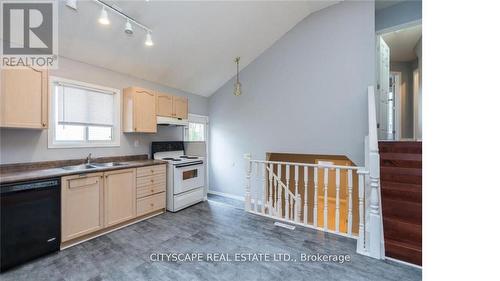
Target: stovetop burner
{"points": [[188, 157]]}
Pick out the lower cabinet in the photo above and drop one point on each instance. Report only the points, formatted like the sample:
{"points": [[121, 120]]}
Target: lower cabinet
{"points": [[119, 196], [81, 205], [93, 203]]}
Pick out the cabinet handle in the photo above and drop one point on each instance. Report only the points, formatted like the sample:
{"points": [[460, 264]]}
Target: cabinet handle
{"points": [[152, 204], [44, 124], [152, 190], [152, 171], [152, 180]]}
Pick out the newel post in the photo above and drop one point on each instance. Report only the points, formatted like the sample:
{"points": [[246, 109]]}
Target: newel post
{"points": [[248, 157], [375, 230]]}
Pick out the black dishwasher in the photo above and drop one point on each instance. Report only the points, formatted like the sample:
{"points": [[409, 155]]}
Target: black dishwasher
{"points": [[30, 220]]}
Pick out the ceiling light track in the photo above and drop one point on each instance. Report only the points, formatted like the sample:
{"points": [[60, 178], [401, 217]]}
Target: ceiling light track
{"points": [[123, 15], [129, 20]]}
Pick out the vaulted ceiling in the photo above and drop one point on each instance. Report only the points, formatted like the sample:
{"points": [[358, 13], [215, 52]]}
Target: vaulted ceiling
{"points": [[194, 42]]}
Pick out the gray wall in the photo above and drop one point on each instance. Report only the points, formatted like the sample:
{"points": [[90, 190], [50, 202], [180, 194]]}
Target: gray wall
{"points": [[305, 94], [402, 13], [20, 145]]}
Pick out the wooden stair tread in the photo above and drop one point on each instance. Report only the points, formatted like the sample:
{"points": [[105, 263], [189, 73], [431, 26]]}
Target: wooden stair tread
{"points": [[403, 231], [401, 156], [403, 251], [404, 210], [401, 191], [401, 171]]}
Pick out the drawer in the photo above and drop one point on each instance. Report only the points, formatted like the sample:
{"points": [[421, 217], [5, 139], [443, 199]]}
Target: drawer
{"points": [[151, 203], [151, 180], [151, 170], [151, 189]]}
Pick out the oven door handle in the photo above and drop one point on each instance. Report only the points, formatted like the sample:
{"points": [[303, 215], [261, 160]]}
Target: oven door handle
{"points": [[188, 164]]}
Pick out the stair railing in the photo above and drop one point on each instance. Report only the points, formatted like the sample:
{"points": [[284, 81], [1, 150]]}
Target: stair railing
{"points": [[272, 195]]}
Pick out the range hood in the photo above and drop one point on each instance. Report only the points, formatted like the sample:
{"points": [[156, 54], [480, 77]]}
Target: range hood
{"points": [[160, 120]]}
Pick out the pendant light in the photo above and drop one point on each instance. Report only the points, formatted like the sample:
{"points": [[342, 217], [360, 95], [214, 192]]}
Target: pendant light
{"points": [[237, 85]]}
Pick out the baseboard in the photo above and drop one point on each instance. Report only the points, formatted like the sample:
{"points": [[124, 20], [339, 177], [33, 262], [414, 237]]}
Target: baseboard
{"points": [[239, 198], [403, 262]]}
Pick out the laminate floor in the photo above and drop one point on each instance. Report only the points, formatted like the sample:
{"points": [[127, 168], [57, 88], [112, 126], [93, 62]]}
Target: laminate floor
{"points": [[209, 228]]}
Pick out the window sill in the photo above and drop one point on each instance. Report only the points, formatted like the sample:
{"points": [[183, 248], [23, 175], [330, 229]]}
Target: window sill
{"points": [[87, 145]]}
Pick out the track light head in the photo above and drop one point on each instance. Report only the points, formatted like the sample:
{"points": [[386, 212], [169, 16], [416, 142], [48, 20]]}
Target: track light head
{"points": [[104, 19], [149, 41], [128, 28]]}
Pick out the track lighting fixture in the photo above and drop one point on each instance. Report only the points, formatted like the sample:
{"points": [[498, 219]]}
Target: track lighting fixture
{"points": [[128, 28], [103, 19], [149, 41]]}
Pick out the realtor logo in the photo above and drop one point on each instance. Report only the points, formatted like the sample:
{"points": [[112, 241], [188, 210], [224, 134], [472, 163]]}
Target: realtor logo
{"points": [[29, 34]]}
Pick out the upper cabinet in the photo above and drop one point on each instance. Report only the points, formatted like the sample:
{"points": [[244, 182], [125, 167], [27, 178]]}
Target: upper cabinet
{"points": [[171, 106], [164, 105], [139, 110], [24, 98], [180, 107]]}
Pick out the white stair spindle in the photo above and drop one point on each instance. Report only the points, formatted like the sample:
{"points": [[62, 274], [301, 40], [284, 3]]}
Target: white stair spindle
{"points": [[306, 179], [361, 199], [298, 205], [296, 178], [349, 210], [256, 191], [280, 211], [287, 190], [325, 199], [337, 200], [270, 206], [315, 208], [264, 190], [247, 188]]}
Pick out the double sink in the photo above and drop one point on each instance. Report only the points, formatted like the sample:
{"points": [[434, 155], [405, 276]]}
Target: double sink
{"points": [[89, 166]]}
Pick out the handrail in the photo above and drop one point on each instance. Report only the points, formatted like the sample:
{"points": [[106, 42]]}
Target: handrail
{"points": [[280, 182], [361, 170]]}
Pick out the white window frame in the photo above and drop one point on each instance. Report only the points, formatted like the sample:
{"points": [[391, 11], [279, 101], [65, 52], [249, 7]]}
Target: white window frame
{"points": [[195, 118], [53, 143]]}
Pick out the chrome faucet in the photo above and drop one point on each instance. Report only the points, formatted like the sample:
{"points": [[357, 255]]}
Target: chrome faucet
{"points": [[89, 158]]}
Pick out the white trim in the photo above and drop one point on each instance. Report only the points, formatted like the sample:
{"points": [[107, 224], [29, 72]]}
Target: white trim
{"points": [[399, 27], [403, 262], [52, 143], [397, 104], [227, 195]]}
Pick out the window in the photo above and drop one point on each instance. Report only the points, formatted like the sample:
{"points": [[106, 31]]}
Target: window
{"points": [[83, 115], [197, 128]]}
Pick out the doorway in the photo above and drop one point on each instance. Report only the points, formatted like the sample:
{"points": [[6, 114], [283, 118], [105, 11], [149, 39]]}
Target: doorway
{"points": [[399, 83]]}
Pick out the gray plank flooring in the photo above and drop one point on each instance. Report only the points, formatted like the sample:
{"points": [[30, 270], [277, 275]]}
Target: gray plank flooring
{"points": [[208, 227]]}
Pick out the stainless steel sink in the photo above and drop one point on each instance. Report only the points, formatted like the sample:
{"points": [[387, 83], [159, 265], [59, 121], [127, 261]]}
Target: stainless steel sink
{"points": [[80, 167], [109, 164]]}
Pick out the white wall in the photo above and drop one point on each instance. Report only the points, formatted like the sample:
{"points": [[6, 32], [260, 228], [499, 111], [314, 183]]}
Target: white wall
{"points": [[21, 145], [305, 94]]}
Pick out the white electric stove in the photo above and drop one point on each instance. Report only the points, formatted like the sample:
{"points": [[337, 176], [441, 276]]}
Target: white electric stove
{"points": [[185, 175]]}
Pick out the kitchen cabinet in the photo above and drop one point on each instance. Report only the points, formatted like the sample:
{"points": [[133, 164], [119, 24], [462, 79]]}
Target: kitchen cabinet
{"points": [[24, 98], [164, 105], [180, 107], [139, 110], [119, 196], [171, 106], [81, 205], [151, 187]]}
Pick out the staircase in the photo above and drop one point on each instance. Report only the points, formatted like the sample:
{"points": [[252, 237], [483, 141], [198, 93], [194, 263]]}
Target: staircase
{"points": [[401, 183]]}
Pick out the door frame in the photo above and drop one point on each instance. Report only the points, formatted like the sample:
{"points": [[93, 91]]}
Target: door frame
{"points": [[397, 104]]}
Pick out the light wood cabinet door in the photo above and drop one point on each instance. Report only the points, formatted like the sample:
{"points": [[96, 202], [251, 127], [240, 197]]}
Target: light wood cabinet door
{"points": [[145, 111], [119, 196], [81, 205], [164, 105], [139, 110], [180, 107], [23, 98]]}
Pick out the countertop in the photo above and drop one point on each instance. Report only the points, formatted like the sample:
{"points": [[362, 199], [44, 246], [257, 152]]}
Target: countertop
{"points": [[18, 175]]}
